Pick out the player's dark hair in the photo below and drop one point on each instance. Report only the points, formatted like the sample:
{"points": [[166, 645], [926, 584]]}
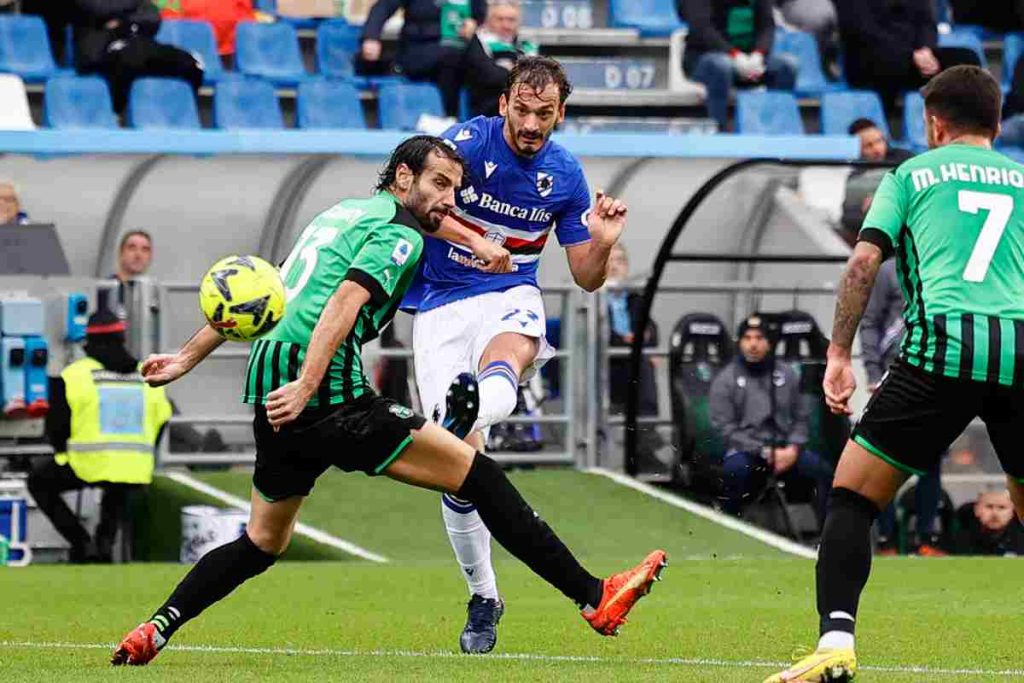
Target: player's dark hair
{"points": [[414, 153], [537, 73], [861, 124], [132, 233], [968, 98]]}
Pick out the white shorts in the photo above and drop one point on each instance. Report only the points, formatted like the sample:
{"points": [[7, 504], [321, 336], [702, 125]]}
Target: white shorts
{"points": [[451, 339]]}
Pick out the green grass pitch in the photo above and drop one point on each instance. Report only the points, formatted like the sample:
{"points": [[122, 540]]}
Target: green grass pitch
{"points": [[728, 610]]}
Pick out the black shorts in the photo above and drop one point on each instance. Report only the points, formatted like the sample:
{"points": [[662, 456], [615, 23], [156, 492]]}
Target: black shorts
{"points": [[365, 435], [915, 415]]}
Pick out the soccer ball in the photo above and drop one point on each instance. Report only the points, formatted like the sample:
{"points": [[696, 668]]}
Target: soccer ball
{"points": [[242, 297]]}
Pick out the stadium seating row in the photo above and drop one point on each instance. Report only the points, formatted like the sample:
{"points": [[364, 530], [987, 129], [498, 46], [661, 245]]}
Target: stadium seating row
{"points": [[775, 112], [239, 102]]}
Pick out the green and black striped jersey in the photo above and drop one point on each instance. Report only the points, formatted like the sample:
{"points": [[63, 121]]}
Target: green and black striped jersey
{"points": [[954, 217], [374, 242]]}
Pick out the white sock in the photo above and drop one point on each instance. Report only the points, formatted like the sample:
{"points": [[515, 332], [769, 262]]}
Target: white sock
{"points": [[836, 640], [471, 542], [498, 385]]}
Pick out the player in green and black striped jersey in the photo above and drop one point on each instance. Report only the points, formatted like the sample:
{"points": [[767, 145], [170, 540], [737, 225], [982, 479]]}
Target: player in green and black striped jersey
{"points": [[954, 220], [314, 408]]}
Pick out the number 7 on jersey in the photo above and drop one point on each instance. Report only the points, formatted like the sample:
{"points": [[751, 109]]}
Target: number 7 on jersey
{"points": [[1000, 208]]}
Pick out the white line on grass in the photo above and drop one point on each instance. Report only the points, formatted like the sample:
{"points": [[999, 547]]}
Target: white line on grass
{"points": [[510, 656], [766, 537], [300, 528]]}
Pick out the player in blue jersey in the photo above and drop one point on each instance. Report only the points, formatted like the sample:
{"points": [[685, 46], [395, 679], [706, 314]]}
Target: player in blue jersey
{"points": [[478, 307]]}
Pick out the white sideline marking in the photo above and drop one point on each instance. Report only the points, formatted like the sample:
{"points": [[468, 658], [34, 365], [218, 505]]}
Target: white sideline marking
{"points": [[510, 656], [766, 537], [300, 528]]}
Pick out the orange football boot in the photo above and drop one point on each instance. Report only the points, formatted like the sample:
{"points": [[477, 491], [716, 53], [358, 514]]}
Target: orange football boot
{"points": [[138, 648], [622, 591]]}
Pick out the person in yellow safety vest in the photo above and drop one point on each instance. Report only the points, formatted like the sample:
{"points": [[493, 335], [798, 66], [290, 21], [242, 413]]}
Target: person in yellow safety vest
{"points": [[104, 424]]}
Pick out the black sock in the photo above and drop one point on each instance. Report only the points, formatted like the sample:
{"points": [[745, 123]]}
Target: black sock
{"points": [[219, 572], [523, 533], [844, 558]]}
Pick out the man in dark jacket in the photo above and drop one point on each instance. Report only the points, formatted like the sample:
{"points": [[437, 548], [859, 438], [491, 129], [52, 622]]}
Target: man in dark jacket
{"points": [[992, 529], [730, 42], [892, 45], [492, 53], [757, 407], [434, 36], [114, 38]]}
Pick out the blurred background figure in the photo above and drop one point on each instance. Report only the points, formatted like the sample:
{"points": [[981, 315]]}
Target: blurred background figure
{"points": [[104, 424], [491, 54], [757, 407], [10, 206], [623, 309], [430, 48], [997, 15], [730, 43], [989, 527]]}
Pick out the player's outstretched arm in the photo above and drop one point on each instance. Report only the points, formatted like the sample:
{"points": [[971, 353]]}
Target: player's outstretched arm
{"points": [[163, 368], [494, 257], [852, 299], [336, 321]]}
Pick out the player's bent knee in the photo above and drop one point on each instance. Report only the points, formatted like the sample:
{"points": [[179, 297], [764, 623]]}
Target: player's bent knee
{"points": [[269, 541]]}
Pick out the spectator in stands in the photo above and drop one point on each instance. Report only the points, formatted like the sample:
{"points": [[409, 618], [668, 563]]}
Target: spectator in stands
{"points": [[433, 39], [114, 38], [763, 418], [730, 42], [10, 206], [819, 18], [992, 529], [892, 45], [881, 330], [623, 310], [491, 54], [999, 15], [222, 15], [104, 423]]}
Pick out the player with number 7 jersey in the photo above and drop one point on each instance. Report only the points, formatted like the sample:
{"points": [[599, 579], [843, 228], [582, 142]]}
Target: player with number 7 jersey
{"points": [[954, 220]]}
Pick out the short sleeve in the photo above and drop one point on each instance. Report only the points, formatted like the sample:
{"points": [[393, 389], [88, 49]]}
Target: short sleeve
{"points": [[379, 266], [887, 214], [571, 224]]}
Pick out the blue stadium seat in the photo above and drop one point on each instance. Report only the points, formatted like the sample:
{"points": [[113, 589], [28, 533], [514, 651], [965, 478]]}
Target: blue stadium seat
{"points": [[269, 51], [327, 103], [78, 102], [1013, 48], [400, 104], [337, 42], [240, 102], [771, 112], [197, 38], [270, 7], [810, 78], [840, 109], [25, 48], [650, 17], [160, 103], [964, 38], [913, 120]]}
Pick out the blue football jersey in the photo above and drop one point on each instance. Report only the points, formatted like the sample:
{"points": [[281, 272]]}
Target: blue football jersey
{"points": [[513, 200]]}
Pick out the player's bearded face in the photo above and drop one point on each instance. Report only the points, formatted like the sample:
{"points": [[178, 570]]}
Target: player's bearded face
{"points": [[432, 194], [531, 116]]}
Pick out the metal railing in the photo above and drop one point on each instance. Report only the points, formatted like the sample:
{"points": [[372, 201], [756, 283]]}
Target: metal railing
{"points": [[153, 309]]}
